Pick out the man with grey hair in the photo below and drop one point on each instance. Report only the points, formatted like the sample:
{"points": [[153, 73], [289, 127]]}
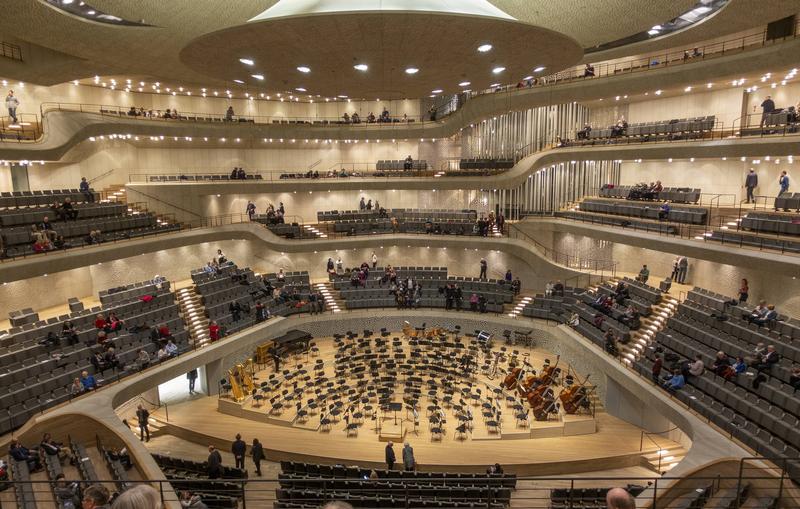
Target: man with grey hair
{"points": [[390, 457], [618, 498]]}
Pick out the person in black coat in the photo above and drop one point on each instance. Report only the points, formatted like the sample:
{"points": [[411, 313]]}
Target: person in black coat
{"points": [[390, 457], [258, 454], [239, 448], [214, 463]]}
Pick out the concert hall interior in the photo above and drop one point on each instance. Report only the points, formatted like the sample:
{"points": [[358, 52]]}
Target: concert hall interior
{"points": [[441, 254]]}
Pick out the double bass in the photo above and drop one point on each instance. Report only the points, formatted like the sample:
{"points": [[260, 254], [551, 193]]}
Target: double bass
{"points": [[511, 379], [545, 406], [574, 398]]}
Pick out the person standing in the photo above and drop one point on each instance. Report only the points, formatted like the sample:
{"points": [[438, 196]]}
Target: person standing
{"points": [[142, 415], [484, 266], [767, 107], [744, 291], [12, 103], [750, 183], [390, 457], [257, 450], [192, 377], [409, 463], [374, 260], [214, 463], [239, 448], [783, 183], [683, 268], [251, 210]]}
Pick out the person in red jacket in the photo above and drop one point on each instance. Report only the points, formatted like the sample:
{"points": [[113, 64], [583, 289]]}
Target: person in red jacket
{"points": [[213, 331], [100, 322], [163, 331]]}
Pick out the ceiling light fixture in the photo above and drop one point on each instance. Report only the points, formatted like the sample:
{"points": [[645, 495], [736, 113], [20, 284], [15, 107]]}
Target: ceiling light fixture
{"points": [[483, 48], [258, 76], [238, 81], [361, 67], [498, 70], [658, 92], [300, 89], [304, 69], [412, 70], [540, 68], [247, 61], [437, 91], [464, 84]]}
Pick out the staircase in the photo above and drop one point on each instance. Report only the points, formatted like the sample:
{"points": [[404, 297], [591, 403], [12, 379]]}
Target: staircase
{"points": [[332, 300], [115, 193], [518, 304], [313, 231], [194, 314], [670, 457], [651, 325]]}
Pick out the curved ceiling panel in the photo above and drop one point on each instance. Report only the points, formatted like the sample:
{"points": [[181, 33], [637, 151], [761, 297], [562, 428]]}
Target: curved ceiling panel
{"points": [[388, 55]]}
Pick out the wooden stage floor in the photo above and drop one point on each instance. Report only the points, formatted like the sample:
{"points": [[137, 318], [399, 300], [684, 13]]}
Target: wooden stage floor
{"points": [[614, 445], [612, 442]]}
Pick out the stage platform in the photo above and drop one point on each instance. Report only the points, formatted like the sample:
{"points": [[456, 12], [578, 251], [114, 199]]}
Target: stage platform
{"points": [[615, 444], [565, 443]]}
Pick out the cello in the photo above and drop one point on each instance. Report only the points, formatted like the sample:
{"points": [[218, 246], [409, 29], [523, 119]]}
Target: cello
{"points": [[573, 398], [510, 381]]}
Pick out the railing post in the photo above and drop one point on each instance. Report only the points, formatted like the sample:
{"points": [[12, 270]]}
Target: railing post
{"points": [[655, 493]]}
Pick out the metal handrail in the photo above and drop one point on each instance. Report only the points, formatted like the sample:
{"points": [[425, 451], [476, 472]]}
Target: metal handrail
{"points": [[529, 491]]}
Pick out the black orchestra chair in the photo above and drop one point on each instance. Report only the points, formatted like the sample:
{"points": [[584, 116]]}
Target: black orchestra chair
{"points": [[257, 398], [461, 431], [436, 434], [351, 429]]}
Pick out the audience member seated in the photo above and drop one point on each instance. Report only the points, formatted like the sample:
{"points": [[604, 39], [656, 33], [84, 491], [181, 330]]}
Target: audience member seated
{"points": [[88, 381], [676, 381], [697, 367], [21, 453], [769, 359]]}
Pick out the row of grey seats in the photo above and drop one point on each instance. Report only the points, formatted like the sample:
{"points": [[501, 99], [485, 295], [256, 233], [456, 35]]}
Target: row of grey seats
{"points": [[17, 217], [696, 216], [400, 214], [675, 194], [771, 223], [38, 198]]}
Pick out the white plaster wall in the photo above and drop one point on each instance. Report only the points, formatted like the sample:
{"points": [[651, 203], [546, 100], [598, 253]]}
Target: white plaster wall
{"points": [[723, 100], [91, 159], [305, 204], [783, 95], [176, 264], [713, 176], [32, 96]]}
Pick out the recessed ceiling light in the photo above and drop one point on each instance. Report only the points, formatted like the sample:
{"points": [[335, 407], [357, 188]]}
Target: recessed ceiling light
{"points": [[258, 76], [658, 92], [238, 81], [687, 89], [361, 67], [91, 13], [246, 61], [304, 69], [67, 2], [483, 48], [464, 84], [300, 89], [437, 91], [342, 96], [412, 70], [540, 68], [526, 78], [498, 70]]}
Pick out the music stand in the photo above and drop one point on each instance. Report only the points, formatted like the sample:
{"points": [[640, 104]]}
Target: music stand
{"points": [[395, 407]]}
